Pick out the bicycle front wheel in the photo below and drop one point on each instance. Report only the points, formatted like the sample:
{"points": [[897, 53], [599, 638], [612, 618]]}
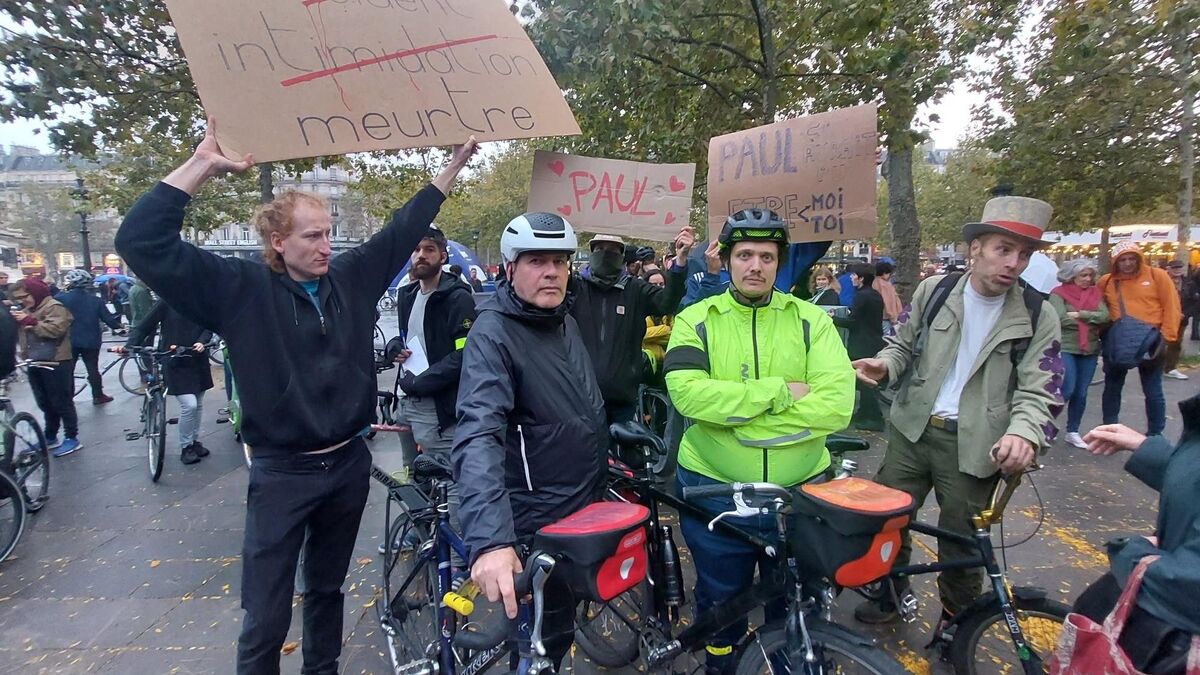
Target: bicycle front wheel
{"points": [[156, 434], [770, 654], [609, 632], [26, 447], [982, 643], [407, 604], [131, 377], [12, 515]]}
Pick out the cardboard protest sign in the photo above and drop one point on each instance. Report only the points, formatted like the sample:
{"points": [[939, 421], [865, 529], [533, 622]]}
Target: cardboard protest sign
{"points": [[613, 196], [298, 78], [816, 172]]}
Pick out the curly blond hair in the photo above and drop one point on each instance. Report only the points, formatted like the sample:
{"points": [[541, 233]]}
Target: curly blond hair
{"points": [[276, 217]]}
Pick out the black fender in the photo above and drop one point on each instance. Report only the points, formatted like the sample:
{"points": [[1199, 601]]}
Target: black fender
{"points": [[841, 631]]}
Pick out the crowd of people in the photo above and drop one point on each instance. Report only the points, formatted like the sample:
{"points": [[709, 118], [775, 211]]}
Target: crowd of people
{"points": [[515, 394]]}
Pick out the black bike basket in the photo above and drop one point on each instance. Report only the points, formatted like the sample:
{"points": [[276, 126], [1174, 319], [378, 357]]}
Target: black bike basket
{"points": [[848, 530]]}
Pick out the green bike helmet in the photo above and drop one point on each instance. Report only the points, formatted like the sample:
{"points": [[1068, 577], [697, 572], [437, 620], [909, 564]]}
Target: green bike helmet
{"points": [[754, 225]]}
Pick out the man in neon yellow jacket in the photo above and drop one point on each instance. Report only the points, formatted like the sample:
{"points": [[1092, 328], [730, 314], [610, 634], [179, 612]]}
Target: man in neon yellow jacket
{"points": [[739, 366]]}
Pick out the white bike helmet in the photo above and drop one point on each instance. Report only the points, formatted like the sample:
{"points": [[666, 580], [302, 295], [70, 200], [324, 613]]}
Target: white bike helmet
{"points": [[537, 231], [77, 278]]}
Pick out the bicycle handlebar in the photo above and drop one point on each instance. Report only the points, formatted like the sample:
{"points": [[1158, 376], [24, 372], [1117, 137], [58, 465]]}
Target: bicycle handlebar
{"points": [[746, 490], [524, 583]]}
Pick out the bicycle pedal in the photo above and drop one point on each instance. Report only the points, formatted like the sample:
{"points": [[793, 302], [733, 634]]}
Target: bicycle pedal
{"points": [[908, 607], [132, 436], [222, 420], [418, 667]]}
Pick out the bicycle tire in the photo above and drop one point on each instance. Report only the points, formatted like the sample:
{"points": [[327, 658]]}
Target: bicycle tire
{"points": [[131, 377], [610, 632], [25, 447], [769, 652], [965, 654], [12, 515], [217, 356], [412, 608], [156, 434]]}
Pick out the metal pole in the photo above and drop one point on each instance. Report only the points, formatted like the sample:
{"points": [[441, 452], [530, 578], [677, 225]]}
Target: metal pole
{"points": [[82, 193]]}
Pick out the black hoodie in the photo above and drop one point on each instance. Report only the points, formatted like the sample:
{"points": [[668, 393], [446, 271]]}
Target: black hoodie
{"points": [[449, 313], [531, 442], [305, 370]]}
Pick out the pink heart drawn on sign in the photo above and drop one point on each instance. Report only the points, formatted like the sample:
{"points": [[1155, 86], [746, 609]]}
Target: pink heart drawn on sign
{"points": [[565, 210], [556, 166], [676, 185], [670, 218]]}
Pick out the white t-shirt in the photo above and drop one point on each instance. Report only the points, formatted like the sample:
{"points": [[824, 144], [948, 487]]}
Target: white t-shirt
{"points": [[980, 314], [416, 324]]}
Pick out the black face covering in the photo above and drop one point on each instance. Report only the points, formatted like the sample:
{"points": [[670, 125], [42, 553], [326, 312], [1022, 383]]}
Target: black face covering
{"points": [[606, 266]]}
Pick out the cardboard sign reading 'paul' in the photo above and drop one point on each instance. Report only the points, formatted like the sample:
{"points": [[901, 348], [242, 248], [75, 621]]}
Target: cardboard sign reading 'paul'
{"points": [[816, 172], [298, 78], [613, 196]]}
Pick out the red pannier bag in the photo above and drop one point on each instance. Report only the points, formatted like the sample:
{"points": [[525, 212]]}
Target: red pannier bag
{"points": [[1088, 648], [602, 547], [848, 530]]}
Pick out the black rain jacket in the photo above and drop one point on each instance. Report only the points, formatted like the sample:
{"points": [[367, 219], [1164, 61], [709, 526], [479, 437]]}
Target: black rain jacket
{"points": [[531, 442]]}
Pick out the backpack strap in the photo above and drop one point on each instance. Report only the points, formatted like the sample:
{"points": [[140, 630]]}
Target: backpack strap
{"points": [[1033, 304], [804, 325]]}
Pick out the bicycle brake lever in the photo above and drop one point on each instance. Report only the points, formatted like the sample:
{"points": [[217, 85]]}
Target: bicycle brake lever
{"points": [[741, 510], [538, 587]]}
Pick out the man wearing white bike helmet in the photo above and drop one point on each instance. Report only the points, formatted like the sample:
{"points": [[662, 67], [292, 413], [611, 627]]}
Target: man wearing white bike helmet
{"points": [[531, 440]]}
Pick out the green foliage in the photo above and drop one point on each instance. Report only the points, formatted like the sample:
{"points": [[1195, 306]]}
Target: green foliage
{"points": [[1087, 111]]}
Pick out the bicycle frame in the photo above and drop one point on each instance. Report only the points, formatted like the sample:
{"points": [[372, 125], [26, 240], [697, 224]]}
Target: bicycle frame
{"points": [[981, 539]]}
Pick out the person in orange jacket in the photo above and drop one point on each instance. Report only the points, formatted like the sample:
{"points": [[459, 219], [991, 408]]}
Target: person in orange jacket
{"points": [[1149, 295]]}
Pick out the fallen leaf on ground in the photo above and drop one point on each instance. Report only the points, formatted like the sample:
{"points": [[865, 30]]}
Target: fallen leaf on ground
{"points": [[289, 648]]}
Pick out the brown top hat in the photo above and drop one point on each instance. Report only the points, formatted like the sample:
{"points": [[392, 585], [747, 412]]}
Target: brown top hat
{"points": [[1020, 217]]}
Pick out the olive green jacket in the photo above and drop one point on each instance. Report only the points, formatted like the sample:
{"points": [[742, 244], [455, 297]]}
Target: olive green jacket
{"points": [[995, 401], [1070, 328]]}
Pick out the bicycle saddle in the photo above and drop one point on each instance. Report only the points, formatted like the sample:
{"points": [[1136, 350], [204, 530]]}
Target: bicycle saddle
{"points": [[428, 467], [634, 434], [842, 443]]}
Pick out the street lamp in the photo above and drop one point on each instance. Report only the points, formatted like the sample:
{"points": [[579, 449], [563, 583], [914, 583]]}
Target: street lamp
{"points": [[81, 195]]}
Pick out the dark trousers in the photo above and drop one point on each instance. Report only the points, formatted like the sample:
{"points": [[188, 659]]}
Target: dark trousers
{"points": [[868, 404], [1153, 646], [620, 412], [725, 566], [91, 361], [54, 391], [321, 495], [932, 464], [1151, 373], [1174, 349]]}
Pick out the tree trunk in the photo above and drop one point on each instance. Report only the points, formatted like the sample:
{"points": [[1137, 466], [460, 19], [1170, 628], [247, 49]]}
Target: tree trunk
{"points": [[1110, 199], [766, 40], [266, 183], [1187, 156], [902, 218]]}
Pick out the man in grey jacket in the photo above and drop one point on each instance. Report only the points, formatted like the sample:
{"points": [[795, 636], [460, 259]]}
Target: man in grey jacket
{"points": [[531, 441], [978, 358]]}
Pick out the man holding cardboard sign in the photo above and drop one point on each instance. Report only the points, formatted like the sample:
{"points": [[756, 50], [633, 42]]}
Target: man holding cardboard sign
{"points": [[297, 329]]}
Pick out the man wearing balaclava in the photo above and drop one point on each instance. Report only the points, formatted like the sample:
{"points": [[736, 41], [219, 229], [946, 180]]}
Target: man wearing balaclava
{"points": [[611, 307]]}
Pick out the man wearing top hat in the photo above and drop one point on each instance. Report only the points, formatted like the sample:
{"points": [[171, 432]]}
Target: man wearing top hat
{"points": [[960, 416]]}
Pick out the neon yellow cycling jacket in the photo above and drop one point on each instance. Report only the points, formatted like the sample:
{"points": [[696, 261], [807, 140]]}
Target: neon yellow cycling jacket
{"points": [[727, 369]]}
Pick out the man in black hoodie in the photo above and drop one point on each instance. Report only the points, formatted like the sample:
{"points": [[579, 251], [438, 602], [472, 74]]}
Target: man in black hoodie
{"points": [[299, 332], [611, 308], [435, 314]]}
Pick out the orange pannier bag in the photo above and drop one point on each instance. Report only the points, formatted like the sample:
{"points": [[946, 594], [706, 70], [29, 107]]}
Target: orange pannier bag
{"points": [[848, 530]]}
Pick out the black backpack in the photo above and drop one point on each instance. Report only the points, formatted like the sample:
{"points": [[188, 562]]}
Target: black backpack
{"points": [[1033, 303]]}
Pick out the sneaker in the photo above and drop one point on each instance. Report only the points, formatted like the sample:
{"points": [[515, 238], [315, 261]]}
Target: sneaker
{"points": [[871, 612], [200, 450], [52, 442], [67, 447], [102, 399], [1176, 375], [1074, 439], [188, 455]]}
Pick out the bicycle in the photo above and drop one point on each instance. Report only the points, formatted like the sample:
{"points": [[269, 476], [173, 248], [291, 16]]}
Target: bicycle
{"points": [[427, 617], [1000, 624], [128, 376], [641, 621], [26, 457], [154, 404]]}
